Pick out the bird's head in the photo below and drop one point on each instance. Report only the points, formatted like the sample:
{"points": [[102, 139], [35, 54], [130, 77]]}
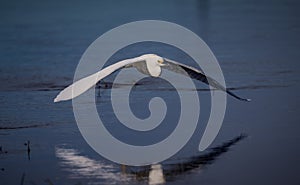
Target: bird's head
{"points": [[160, 61], [154, 64]]}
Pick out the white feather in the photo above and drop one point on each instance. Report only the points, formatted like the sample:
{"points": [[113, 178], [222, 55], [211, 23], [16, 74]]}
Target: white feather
{"points": [[86, 83]]}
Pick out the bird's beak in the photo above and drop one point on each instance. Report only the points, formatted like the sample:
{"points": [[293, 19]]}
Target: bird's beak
{"points": [[160, 63]]}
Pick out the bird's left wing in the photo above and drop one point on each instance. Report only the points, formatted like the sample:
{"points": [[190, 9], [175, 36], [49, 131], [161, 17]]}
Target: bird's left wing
{"points": [[197, 75], [86, 83]]}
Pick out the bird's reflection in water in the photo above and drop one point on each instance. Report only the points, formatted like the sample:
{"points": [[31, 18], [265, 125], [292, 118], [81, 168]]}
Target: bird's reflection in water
{"points": [[183, 166], [84, 167], [156, 175]]}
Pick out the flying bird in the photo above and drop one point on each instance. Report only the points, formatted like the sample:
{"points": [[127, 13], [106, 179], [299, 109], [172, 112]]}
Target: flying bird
{"points": [[148, 64]]}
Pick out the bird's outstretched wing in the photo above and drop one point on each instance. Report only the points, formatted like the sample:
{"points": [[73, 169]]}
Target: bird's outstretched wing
{"points": [[86, 83], [196, 74]]}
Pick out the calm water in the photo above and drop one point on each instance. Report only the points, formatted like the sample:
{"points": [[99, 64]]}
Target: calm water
{"points": [[256, 42]]}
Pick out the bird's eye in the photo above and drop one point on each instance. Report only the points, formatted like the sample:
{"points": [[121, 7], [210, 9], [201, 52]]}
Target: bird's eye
{"points": [[160, 61]]}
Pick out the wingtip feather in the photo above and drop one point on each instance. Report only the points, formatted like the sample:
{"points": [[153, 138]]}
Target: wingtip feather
{"points": [[56, 100], [246, 99]]}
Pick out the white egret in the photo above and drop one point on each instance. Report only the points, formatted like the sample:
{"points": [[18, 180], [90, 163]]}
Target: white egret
{"points": [[148, 64]]}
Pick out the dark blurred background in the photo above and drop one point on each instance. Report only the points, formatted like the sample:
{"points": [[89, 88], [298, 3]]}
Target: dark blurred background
{"points": [[255, 41]]}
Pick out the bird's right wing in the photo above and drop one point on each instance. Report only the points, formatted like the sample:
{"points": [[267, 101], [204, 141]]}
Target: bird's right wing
{"points": [[86, 83], [197, 75]]}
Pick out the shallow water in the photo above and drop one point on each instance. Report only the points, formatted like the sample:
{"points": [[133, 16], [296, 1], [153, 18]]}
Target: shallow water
{"points": [[255, 42]]}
